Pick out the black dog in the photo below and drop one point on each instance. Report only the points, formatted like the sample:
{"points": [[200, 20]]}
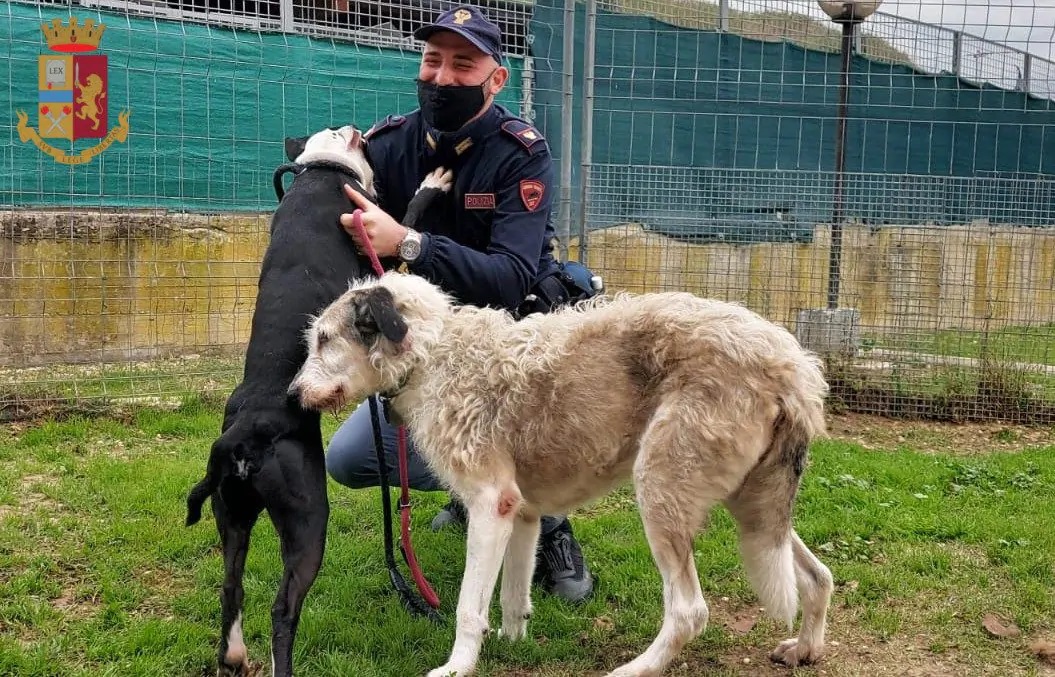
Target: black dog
{"points": [[270, 453]]}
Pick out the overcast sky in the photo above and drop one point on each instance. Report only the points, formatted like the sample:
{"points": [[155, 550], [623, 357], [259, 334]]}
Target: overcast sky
{"points": [[1028, 25]]}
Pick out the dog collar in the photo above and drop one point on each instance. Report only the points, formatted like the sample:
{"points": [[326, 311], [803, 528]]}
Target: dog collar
{"points": [[386, 398], [394, 392], [297, 169]]}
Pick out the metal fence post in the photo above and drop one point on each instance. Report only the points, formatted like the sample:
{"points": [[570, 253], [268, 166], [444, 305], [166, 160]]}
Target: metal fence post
{"points": [[586, 145], [285, 13], [567, 92], [957, 51], [723, 15], [527, 98], [835, 259]]}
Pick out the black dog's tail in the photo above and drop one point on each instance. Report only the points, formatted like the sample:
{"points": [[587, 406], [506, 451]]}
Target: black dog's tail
{"points": [[209, 484], [201, 491], [248, 441]]}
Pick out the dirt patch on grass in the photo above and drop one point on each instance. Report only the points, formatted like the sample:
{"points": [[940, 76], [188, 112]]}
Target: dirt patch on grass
{"points": [[76, 603], [745, 637], [163, 586], [880, 433], [31, 500]]}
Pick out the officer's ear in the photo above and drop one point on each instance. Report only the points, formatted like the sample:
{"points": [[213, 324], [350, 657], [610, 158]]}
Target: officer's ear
{"points": [[295, 146], [498, 80]]}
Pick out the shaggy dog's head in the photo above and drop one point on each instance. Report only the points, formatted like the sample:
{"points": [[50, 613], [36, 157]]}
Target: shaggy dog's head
{"points": [[344, 146], [370, 340]]}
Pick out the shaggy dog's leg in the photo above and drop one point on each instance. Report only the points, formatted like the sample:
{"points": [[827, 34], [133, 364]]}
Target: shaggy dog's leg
{"points": [[779, 565], [492, 512], [235, 523], [518, 569], [674, 498], [815, 586]]}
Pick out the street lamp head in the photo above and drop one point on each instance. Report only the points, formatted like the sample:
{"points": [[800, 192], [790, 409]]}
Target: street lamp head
{"points": [[855, 11]]}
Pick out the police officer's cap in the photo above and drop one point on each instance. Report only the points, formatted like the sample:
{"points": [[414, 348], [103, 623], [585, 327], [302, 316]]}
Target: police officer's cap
{"points": [[471, 24]]}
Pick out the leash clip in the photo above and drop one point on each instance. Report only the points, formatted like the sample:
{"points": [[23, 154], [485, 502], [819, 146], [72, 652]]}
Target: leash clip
{"points": [[391, 416]]}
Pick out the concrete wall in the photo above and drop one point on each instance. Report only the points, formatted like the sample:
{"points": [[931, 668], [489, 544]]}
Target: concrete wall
{"points": [[900, 278], [92, 286]]}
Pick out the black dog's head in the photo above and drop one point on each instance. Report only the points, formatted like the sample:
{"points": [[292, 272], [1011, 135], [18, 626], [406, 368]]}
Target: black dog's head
{"points": [[343, 146]]}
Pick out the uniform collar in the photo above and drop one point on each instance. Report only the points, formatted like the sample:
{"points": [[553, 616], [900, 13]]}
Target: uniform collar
{"points": [[459, 142]]}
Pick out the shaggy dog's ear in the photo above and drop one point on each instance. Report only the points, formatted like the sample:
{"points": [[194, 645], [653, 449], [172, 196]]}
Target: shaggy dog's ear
{"points": [[295, 146], [375, 313]]}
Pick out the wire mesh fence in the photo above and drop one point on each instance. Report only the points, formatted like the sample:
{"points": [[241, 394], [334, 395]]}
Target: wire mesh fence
{"points": [[700, 147], [894, 208]]}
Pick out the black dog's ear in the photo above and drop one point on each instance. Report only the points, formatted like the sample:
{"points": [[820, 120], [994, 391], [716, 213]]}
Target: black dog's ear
{"points": [[375, 313], [295, 146]]}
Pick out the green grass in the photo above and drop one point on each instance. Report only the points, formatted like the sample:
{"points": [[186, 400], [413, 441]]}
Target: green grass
{"points": [[963, 375], [99, 577], [1024, 344], [84, 382]]}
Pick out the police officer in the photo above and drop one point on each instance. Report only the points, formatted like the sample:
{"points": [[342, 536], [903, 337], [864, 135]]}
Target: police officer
{"points": [[488, 243]]}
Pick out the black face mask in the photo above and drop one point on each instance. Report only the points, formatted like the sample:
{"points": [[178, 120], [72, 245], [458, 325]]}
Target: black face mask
{"points": [[448, 107]]}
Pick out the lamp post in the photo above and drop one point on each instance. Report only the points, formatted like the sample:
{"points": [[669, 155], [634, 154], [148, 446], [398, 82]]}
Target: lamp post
{"points": [[849, 14]]}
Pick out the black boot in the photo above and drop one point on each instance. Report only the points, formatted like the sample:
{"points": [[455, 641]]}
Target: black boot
{"points": [[559, 565], [453, 514]]}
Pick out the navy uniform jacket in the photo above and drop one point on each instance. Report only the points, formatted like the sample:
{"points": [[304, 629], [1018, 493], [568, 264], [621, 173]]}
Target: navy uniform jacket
{"points": [[489, 239]]}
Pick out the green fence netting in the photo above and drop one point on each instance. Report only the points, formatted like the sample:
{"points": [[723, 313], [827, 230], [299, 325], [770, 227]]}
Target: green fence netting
{"points": [[708, 134], [210, 108]]}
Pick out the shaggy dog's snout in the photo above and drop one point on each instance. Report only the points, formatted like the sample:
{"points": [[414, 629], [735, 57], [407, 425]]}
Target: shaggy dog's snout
{"points": [[299, 394], [317, 396]]}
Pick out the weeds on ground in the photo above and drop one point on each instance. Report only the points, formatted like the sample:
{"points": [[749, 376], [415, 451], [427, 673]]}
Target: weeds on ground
{"points": [[98, 575]]}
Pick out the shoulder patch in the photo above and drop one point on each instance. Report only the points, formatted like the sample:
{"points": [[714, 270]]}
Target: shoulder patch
{"points": [[528, 136], [390, 122]]}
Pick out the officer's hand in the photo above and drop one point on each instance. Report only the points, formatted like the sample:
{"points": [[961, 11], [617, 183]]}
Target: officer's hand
{"points": [[385, 233]]}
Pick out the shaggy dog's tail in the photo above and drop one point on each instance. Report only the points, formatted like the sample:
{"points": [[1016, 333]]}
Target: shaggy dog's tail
{"points": [[764, 504]]}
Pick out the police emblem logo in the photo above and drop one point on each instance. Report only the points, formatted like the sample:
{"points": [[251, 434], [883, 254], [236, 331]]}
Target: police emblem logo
{"points": [[72, 93], [461, 16], [531, 192]]}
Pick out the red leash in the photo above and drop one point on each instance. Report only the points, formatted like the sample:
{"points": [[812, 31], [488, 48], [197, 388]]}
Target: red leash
{"points": [[404, 538], [404, 474]]}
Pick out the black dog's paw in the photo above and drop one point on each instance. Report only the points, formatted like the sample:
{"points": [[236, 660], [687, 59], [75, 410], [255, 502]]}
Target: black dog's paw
{"points": [[439, 179]]}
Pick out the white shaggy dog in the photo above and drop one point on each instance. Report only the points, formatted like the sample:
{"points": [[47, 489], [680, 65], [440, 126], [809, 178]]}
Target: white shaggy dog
{"points": [[696, 401]]}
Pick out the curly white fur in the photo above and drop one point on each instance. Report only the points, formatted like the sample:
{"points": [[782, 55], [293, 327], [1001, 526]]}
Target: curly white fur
{"points": [[697, 401]]}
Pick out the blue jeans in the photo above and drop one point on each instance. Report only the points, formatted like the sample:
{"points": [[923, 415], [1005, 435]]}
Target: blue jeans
{"points": [[351, 459]]}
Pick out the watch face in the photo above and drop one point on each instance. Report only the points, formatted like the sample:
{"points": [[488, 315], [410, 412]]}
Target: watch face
{"points": [[410, 248]]}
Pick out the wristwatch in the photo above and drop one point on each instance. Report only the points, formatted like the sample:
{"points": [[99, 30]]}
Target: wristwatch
{"points": [[410, 248]]}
